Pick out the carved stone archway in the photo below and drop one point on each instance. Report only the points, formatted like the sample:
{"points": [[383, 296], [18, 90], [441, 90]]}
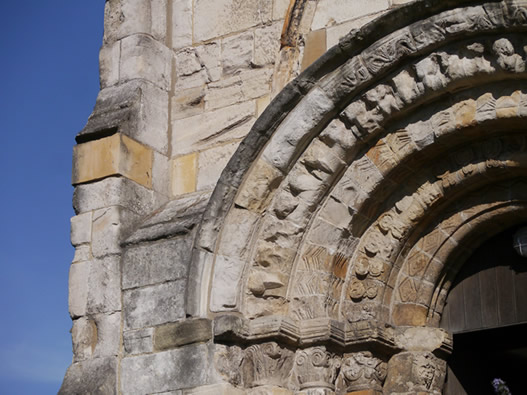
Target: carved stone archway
{"points": [[334, 233]]}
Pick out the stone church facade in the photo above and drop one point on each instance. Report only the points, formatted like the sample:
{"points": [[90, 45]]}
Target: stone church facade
{"points": [[277, 196]]}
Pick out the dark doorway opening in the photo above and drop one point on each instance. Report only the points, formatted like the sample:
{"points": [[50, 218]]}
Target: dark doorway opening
{"points": [[486, 311], [481, 356]]}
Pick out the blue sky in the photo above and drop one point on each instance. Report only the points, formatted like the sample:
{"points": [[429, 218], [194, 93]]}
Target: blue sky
{"points": [[49, 68]]}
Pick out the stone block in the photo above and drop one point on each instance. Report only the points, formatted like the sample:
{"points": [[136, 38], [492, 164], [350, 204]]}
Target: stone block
{"points": [[113, 191], [237, 52], [274, 257], [225, 284], [142, 57], [224, 93], [138, 341], [109, 57], [186, 367], [78, 289], [409, 315], [323, 233], [184, 174], [243, 86], [336, 213], [267, 44], [83, 338], [255, 193], [212, 128], [157, 262], [215, 18], [261, 104], [237, 232], [187, 62], [197, 297], [81, 229], [194, 80], [108, 228], [110, 156], [93, 376], [82, 253], [297, 129], [154, 305], [226, 326], [322, 161], [108, 335], [415, 372], [280, 8], [211, 163], [104, 286], [420, 338], [331, 12], [188, 102], [125, 17], [209, 55], [159, 19], [315, 47], [137, 109], [161, 173], [181, 333], [181, 23], [507, 106], [168, 222]]}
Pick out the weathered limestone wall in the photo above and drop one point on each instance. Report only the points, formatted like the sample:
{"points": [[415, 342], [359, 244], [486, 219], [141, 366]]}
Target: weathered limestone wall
{"points": [[231, 60], [182, 83]]}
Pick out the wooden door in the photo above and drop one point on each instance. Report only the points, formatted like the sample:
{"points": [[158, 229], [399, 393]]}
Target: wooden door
{"points": [[486, 311]]}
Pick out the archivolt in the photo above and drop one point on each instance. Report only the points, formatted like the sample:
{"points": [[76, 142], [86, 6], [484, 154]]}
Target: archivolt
{"points": [[345, 174]]}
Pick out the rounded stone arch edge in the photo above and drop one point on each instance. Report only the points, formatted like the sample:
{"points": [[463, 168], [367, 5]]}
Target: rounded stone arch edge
{"points": [[223, 196], [426, 308]]}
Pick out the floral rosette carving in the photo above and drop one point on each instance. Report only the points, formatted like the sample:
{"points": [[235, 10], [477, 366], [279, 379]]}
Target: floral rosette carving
{"points": [[316, 367], [362, 371]]}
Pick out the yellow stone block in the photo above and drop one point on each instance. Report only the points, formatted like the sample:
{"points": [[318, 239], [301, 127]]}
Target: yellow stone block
{"points": [[110, 156], [409, 315], [465, 113], [258, 189], [315, 47], [262, 103], [184, 172]]}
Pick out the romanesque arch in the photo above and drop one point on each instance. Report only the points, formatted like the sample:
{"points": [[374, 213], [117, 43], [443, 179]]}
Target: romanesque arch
{"points": [[329, 245]]}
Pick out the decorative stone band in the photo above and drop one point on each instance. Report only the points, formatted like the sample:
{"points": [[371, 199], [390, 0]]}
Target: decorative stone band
{"points": [[315, 356], [344, 337], [332, 356]]}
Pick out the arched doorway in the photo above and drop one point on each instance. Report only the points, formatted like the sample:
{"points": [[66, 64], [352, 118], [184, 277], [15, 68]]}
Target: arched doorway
{"points": [[487, 315], [327, 245]]}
